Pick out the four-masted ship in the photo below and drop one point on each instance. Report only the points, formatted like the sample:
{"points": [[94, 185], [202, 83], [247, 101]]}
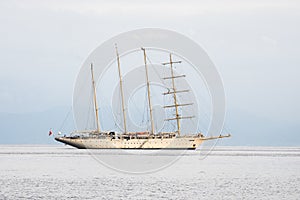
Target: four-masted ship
{"points": [[98, 139]]}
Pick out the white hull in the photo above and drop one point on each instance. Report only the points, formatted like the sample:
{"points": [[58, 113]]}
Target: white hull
{"points": [[150, 143]]}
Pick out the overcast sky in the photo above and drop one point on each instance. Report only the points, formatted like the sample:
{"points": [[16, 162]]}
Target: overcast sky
{"points": [[254, 44]]}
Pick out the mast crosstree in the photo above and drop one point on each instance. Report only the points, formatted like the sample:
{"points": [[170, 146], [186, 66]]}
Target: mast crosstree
{"points": [[174, 91]]}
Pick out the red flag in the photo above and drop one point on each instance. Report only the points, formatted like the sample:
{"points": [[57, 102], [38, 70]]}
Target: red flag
{"points": [[50, 132]]}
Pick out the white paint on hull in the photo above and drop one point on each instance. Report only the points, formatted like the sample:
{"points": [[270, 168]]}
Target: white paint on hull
{"points": [[153, 143]]}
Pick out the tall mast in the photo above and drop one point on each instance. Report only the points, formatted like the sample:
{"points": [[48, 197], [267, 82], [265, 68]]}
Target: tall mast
{"points": [[174, 92], [174, 96], [148, 90], [95, 100], [121, 90]]}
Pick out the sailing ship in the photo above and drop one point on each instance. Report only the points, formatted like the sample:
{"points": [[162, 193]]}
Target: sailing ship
{"points": [[148, 139]]}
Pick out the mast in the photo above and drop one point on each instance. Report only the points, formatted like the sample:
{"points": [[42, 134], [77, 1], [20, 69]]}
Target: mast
{"points": [[148, 90], [121, 90], [174, 92], [95, 100], [174, 96]]}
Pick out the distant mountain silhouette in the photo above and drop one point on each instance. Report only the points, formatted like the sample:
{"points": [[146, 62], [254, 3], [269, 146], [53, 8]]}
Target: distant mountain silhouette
{"points": [[253, 130], [32, 128], [245, 128]]}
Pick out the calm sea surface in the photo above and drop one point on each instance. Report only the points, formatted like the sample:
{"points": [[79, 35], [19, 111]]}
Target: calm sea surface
{"points": [[62, 172]]}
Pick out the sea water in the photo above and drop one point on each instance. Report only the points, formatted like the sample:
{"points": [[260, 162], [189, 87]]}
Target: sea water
{"points": [[63, 172]]}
